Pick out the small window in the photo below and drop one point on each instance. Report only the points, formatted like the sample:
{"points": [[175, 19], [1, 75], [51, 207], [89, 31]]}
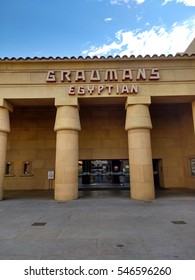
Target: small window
{"points": [[27, 168], [9, 169], [192, 166]]}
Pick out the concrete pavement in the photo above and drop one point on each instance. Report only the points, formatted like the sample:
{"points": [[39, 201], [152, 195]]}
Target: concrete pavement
{"points": [[100, 225]]}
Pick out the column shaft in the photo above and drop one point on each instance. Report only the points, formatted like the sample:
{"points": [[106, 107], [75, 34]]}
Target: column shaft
{"points": [[67, 126], [138, 125], [4, 129], [193, 113], [66, 181], [141, 169]]}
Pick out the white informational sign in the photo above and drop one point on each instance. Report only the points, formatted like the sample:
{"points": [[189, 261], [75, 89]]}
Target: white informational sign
{"points": [[51, 175]]}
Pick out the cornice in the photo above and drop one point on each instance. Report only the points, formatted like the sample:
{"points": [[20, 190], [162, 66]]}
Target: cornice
{"points": [[102, 58]]}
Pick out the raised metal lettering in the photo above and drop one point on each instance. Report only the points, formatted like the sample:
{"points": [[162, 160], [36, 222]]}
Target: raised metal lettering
{"points": [[100, 89], [81, 91], [65, 75], [71, 91], [127, 75], [90, 89], [141, 74], [80, 76], [95, 76], [111, 75], [51, 77], [155, 75], [125, 89], [134, 89]]}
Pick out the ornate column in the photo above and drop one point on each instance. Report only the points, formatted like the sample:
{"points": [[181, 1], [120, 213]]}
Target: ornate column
{"points": [[67, 125], [138, 125], [193, 113], [4, 129]]}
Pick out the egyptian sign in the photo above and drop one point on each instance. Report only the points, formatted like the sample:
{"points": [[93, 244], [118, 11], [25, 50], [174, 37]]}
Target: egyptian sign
{"points": [[109, 81]]}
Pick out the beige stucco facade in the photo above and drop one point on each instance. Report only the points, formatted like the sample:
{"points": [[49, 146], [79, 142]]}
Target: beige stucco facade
{"points": [[55, 112]]}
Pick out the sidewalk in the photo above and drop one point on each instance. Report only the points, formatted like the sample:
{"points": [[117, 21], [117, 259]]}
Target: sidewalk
{"points": [[100, 225]]}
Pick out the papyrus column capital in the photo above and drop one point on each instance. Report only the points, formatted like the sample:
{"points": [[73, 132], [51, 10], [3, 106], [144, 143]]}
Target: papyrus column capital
{"points": [[4, 117], [138, 115], [67, 116]]}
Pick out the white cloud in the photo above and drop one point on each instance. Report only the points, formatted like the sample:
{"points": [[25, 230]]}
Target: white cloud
{"points": [[156, 40], [107, 19], [166, 1], [118, 2], [139, 1], [185, 2], [138, 18], [126, 2]]}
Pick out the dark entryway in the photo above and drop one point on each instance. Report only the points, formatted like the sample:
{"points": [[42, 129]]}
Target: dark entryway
{"points": [[158, 173], [103, 173]]}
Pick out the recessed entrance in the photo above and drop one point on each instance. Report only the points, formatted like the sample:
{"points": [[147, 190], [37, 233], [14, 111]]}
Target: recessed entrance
{"points": [[99, 174], [158, 173]]}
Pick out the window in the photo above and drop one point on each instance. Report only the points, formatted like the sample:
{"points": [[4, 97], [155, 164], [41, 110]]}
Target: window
{"points": [[192, 166], [27, 168], [9, 169]]}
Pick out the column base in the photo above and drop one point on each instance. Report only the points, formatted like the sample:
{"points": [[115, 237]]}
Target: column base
{"points": [[65, 192], [142, 191], [3, 147]]}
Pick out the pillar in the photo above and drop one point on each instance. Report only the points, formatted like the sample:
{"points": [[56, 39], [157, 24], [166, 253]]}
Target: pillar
{"points": [[193, 113], [138, 124], [67, 126], [4, 129]]}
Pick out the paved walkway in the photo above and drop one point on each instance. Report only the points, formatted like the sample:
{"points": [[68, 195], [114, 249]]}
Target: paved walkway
{"points": [[99, 225]]}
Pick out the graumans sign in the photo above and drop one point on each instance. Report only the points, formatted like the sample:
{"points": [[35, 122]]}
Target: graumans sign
{"points": [[103, 81]]}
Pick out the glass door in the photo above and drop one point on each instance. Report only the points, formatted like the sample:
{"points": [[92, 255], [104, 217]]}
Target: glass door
{"points": [[103, 172]]}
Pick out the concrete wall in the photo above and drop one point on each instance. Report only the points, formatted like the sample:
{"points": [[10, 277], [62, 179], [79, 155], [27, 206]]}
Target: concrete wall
{"points": [[32, 138], [187, 137], [103, 134], [173, 141]]}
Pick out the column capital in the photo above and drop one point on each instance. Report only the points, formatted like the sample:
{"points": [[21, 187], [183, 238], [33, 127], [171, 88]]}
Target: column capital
{"points": [[67, 118], [67, 101], [138, 117], [4, 120], [193, 113], [133, 100], [5, 104]]}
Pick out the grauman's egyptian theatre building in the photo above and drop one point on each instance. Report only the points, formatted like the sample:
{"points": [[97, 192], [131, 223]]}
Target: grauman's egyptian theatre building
{"points": [[117, 121]]}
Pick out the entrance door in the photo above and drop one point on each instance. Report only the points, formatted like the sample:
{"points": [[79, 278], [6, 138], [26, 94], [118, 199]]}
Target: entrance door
{"points": [[158, 173], [103, 172]]}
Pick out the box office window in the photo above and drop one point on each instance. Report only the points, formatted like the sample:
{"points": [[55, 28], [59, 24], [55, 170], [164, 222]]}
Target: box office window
{"points": [[27, 168], [9, 169], [192, 166]]}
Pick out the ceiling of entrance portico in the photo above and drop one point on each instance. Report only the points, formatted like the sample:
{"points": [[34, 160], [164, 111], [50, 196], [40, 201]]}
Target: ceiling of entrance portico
{"points": [[83, 102], [98, 101], [120, 101], [101, 101], [171, 99], [23, 102]]}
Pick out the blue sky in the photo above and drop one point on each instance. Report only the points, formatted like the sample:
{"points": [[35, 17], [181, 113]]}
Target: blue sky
{"points": [[30, 28]]}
